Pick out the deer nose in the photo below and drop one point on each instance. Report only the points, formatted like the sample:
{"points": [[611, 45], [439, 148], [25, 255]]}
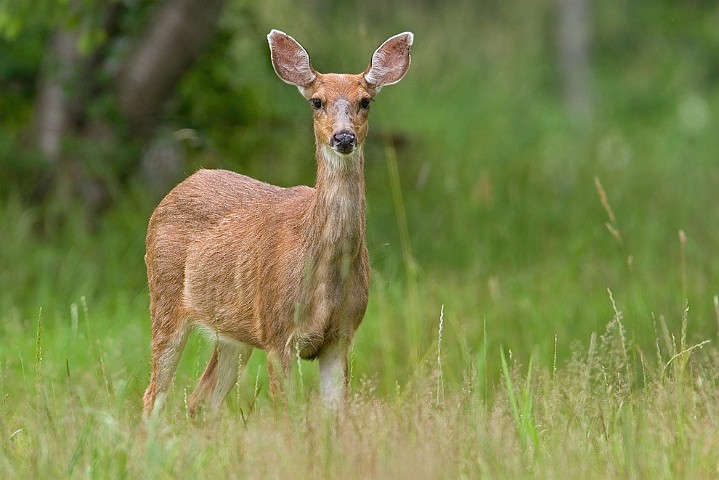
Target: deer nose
{"points": [[343, 141]]}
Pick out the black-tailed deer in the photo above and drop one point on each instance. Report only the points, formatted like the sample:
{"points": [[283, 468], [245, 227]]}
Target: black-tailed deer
{"points": [[259, 266]]}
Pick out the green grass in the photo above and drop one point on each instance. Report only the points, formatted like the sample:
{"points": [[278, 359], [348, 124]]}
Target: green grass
{"points": [[71, 408], [573, 267]]}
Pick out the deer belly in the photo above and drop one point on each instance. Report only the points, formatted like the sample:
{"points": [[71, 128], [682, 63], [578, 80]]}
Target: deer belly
{"points": [[215, 298]]}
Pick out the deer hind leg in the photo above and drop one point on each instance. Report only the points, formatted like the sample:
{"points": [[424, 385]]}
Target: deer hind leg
{"points": [[226, 363], [166, 352], [278, 370]]}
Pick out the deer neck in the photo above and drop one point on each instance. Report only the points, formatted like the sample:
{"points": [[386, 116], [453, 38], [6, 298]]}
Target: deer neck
{"points": [[338, 210]]}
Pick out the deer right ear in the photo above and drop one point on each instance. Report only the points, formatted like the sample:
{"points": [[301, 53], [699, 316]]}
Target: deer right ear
{"points": [[290, 61], [390, 61]]}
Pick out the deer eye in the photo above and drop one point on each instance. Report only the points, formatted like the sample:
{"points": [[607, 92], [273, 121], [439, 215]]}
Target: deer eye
{"points": [[364, 103], [316, 103]]}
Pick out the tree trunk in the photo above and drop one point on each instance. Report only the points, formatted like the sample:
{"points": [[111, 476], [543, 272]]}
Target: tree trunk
{"points": [[573, 41], [69, 83], [53, 108], [179, 31]]}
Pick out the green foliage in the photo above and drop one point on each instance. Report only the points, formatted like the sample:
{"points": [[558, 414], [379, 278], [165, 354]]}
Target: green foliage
{"points": [[484, 196], [521, 407], [17, 17]]}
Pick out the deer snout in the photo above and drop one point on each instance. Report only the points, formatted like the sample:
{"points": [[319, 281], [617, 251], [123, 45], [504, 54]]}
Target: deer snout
{"points": [[343, 141]]}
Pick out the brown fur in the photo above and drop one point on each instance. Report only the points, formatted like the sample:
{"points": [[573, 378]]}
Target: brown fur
{"points": [[255, 265]]}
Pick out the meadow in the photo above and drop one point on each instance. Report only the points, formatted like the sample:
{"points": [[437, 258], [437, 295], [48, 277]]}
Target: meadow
{"points": [[544, 288]]}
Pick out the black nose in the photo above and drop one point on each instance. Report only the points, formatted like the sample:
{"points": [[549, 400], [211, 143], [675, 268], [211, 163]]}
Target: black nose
{"points": [[343, 141]]}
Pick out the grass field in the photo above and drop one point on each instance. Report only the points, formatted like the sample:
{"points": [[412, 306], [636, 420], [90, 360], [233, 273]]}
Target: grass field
{"points": [[544, 290], [71, 401]]}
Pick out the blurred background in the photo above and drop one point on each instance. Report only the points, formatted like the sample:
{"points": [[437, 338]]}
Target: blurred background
{"points": [[537, 155]]}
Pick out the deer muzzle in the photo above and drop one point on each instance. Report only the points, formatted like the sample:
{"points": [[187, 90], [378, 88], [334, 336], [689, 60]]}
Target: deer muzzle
{"points": [[343, 142]]}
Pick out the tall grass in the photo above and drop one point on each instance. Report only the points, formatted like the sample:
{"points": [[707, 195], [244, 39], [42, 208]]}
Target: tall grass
{"points": [[612, 411]]}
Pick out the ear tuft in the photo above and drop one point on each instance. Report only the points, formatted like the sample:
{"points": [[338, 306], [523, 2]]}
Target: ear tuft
{"points": [[290, 61], [390, 61]]}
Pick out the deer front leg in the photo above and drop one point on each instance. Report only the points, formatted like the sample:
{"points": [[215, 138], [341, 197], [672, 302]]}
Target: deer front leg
{"points": [[333, 374]]}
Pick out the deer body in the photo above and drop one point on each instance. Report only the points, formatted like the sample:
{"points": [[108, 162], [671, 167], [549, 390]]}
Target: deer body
{"points": [[259, 266]]}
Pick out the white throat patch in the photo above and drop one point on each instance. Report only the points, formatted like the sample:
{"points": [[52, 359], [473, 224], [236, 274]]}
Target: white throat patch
{"points": [[337, 161]]}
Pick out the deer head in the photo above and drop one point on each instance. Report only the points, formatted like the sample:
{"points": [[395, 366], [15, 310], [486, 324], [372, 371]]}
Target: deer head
{"points": [[340, 102]]}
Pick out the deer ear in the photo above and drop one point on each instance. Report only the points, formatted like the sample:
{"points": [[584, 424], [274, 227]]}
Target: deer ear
{"points": [[390, 61], [290, 61]]}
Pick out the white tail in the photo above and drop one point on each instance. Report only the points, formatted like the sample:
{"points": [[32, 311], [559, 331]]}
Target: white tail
{"points": [[259, 266]]}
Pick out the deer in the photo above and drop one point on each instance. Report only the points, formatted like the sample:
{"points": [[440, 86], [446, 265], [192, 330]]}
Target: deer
{"points": [[253, 265]]}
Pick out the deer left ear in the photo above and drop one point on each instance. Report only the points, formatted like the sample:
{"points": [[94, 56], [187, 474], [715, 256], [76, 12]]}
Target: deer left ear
{"points": [[290, 61], [390, 61]]}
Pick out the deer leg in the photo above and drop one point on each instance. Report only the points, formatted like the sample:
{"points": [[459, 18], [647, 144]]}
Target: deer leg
{"points": [[333, 374], [204, 386], [166, 352], [227, 361], [278, 369], [231, 360]]}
